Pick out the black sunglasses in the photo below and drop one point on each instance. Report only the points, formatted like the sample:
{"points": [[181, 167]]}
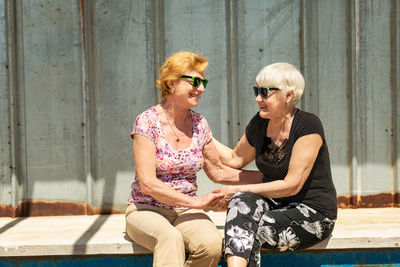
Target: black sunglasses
{"points": [[264, 92], [196, 81]]}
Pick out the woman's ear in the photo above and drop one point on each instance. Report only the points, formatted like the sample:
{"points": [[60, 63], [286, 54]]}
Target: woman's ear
{"points": [[171, 86], [289, 96]]}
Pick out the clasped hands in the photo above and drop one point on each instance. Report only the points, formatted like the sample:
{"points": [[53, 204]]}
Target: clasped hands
{"points": [[220, 202]]}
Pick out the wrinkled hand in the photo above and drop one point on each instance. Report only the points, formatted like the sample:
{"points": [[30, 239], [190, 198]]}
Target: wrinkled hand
{"points": [[207, 200], [222, 203]]}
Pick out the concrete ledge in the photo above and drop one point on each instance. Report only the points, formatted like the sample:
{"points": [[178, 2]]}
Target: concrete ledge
{"points": [[105, 234]]}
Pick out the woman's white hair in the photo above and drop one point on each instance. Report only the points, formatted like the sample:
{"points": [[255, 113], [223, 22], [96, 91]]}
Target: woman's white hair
{"points": [[284, 76]]}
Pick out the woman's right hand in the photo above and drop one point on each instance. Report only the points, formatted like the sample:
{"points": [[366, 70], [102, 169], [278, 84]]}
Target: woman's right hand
{"points": [[207, 200]]}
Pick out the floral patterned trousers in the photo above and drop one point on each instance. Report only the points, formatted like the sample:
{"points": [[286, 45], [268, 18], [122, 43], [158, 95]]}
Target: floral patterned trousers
{"points": [[253, 222]]}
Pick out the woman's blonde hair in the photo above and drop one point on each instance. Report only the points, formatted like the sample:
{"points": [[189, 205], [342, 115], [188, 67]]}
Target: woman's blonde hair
{"points": [[284, 76], [176, 65]]}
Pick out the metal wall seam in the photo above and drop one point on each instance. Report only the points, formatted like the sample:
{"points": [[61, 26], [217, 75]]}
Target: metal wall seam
{"points": [[90, 100], [86, 111], [7, 163], [232, 71], [396, 99], [356, 178], [158, 41], [351, 107], [302, 33], [11, 85], [310, 56], [20, 109]]}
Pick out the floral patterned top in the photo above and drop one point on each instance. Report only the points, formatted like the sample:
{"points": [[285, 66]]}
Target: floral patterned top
{"points": [[176, 168]]}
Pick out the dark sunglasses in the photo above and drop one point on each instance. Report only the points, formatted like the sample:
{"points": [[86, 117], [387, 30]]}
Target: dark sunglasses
{"points": [[264, 92], [196, 81]]}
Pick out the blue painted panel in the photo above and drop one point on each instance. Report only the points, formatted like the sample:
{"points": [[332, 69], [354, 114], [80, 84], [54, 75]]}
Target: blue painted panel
{"points": [[332, 257], [328, 258]]}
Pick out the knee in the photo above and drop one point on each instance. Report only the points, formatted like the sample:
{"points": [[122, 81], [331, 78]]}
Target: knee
{"points": [[210, 246], [214, 246], [241, 204], [172, 237]]}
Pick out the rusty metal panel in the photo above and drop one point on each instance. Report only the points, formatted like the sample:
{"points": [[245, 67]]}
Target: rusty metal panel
{"points": [[50, 80], [373, 101], [83, 70], [122, 85], [326, 71]]}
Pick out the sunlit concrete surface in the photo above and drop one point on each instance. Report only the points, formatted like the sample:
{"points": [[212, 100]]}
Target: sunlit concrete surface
{"points": [[105, 234]]}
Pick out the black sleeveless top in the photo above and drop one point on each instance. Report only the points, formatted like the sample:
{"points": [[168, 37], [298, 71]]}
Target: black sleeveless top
{"points": [[318, 191]]}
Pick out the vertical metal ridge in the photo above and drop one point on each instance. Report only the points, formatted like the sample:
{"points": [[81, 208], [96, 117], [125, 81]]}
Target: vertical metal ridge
{"points": [[18, 91], [306, 51], [159, 41], [356, 153], [229, 70], [309, 61], [395, 81], [313, 75], [10, 34], [86, 123], [232, 71], [89, 91], [315, 61], [302, 34], [350, 98]]}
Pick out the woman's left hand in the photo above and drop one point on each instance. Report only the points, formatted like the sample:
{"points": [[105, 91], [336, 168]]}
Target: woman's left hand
{"points": [[228, 192]]}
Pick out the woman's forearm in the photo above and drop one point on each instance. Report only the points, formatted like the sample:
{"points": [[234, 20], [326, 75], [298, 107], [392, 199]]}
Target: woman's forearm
{"points": [[275, 189], [229, 176], [167, 195], [164, 193]]}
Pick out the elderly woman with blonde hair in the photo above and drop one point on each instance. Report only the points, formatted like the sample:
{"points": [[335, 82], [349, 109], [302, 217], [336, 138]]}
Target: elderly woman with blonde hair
{"points": [[170, 143], [293, 205]]}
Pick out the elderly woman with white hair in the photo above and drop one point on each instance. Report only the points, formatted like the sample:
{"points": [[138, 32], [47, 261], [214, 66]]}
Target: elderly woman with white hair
{"points": [[293, 205]]}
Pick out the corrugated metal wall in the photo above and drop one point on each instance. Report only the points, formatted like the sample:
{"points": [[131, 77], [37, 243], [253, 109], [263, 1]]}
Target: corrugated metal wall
{"points": [[75, 74]]}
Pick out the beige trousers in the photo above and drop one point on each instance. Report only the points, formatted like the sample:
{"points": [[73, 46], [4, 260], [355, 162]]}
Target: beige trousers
{"points": [[169, 233]]}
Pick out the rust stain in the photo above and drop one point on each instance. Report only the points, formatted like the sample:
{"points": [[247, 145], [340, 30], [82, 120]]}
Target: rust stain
{"points": [[65, 208], [52, 208], [382, 200], [343, 202], [92, 211], [7, 211]]}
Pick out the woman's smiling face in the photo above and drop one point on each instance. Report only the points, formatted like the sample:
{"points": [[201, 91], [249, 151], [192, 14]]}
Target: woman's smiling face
{"points": [[272, 106], [185, 94]]}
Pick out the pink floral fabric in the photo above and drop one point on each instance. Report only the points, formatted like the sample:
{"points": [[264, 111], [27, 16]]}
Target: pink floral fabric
{"points": [[176, 168]]}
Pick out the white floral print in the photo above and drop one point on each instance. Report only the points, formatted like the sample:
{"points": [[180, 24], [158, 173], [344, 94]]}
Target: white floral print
{"points": [[266, 218], [288, 240], [235, 206], [305, 210], [250, 224], [239, 239], [317, 228], [258, 212], [267, 234]]}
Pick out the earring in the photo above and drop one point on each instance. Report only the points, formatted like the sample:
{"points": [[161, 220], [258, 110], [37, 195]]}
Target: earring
{"points": [[172, 91], [287, 104]]}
